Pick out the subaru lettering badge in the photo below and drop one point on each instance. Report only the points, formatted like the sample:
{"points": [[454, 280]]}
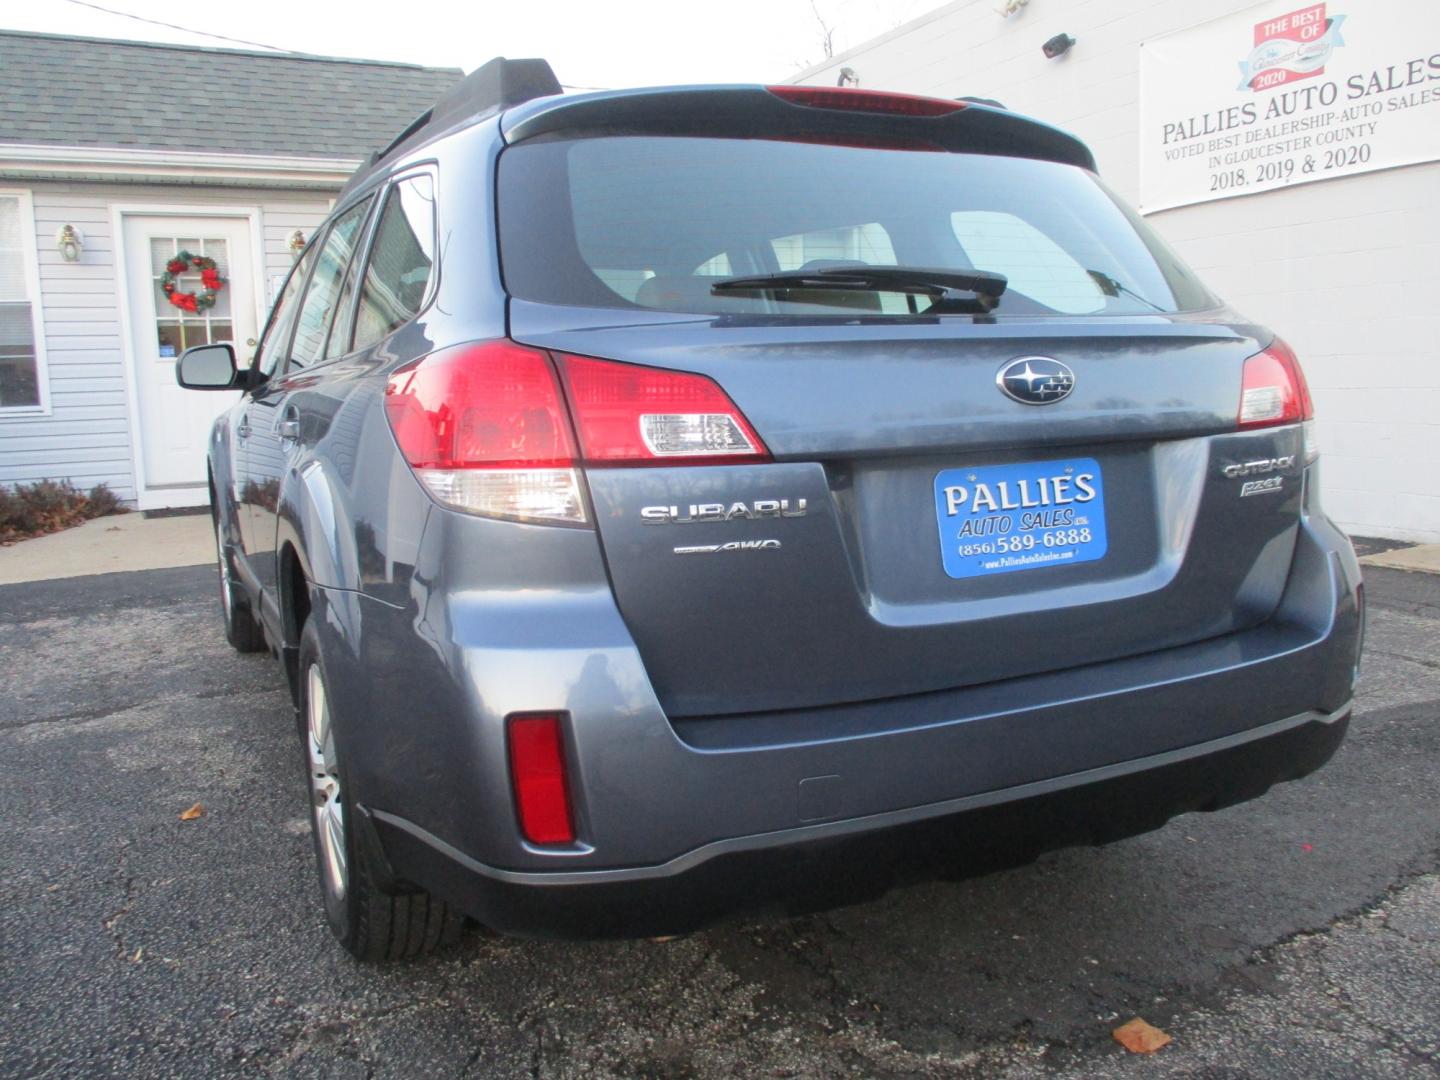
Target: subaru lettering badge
{"points": [[1035, 380]]}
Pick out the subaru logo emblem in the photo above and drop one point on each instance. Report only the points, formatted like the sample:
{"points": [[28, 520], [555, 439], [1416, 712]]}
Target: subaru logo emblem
{"points": [[1035, 380]]}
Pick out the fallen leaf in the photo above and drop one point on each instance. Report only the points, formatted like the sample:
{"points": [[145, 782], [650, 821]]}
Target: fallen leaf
{"points": [[140, 952], [1139, 1037], [194, 812]]}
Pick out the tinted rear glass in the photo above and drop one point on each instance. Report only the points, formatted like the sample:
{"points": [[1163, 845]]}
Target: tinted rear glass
{"points": [[654, 222]]}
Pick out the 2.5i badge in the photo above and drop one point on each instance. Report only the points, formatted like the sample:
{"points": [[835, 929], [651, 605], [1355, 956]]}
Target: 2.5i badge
{"points": [[1001, 518]]}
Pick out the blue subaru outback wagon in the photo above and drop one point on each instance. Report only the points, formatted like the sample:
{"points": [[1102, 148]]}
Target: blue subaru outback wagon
{"points": [[673, 500]]}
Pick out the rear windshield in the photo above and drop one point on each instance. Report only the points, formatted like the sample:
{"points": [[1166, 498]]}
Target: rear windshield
{"points": [[654, 222]]}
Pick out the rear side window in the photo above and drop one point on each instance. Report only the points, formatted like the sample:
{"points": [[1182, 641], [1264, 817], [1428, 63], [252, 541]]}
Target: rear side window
{"points": [[402, 261], [654, 222], [317, 311]]}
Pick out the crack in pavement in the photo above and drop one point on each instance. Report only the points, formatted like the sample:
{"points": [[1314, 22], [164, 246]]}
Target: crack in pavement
{"points": [[84, 716], [127, 892]]}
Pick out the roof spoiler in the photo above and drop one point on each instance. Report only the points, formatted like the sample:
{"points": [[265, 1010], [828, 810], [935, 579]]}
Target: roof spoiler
{"points": [[491, 88], [848, 117]]}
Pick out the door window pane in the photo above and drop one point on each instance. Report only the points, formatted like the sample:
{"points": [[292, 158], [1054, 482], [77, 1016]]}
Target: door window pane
{"points": [[276, 339], [401, 261], [19, 377], [176, 327], [318, 308]]}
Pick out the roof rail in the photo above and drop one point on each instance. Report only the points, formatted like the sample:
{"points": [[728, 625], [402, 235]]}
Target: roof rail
{"points": [[491, 88]]}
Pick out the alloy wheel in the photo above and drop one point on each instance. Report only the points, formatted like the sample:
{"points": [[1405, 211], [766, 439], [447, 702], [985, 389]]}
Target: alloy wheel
{"points": [[227, 585], [325, 786]]}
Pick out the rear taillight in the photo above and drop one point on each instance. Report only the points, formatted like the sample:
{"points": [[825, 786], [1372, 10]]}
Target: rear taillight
{"points": [[1273, 391], [537, 776], [631, 415], [849, 99], [484, 428]]}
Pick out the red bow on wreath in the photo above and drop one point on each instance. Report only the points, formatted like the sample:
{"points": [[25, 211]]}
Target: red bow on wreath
{"points": [[210, 280]]}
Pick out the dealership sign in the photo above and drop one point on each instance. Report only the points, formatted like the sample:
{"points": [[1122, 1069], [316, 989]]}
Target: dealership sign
{"points": [[1278, 95]]}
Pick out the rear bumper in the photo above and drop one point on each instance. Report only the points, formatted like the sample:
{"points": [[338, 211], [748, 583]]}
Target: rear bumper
{"points": [[681, 821], [819, 866]]}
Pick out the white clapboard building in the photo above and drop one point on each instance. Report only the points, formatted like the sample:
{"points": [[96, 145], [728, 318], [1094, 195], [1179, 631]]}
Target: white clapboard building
{"points": [[114, 157]]}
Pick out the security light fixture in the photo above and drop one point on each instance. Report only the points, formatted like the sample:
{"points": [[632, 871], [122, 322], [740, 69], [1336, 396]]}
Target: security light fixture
{"points": [[297, 243], [847, 77], [1058, 45], [70, 242]]}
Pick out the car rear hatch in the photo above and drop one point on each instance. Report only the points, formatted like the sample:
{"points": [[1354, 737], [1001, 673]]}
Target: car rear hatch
{"points": [[941, 499]]}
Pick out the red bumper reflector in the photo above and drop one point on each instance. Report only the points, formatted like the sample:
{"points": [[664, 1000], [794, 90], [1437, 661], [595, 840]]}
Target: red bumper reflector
{"points": [[537, 773]]}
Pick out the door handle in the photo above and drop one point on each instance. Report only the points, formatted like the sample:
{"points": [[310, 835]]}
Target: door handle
{"points": [[243, 431], [288, 426]]}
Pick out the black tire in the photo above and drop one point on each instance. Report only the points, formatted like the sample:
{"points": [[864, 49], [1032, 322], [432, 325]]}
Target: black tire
{"points": [[371, 923], [241, 629]]}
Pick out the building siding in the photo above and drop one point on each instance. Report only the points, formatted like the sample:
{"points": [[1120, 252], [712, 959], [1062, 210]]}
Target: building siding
{"points": [[1344, 269], [86, 436]]}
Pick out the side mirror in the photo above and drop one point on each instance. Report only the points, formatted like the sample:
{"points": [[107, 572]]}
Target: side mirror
{"points": [[209, 367]]}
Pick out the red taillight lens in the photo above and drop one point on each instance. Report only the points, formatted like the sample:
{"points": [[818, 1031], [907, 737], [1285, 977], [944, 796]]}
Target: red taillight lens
{"points": [[490, 405], [537, 774], [485, 429], [626, 414], [870, 101], [1273, 389]]}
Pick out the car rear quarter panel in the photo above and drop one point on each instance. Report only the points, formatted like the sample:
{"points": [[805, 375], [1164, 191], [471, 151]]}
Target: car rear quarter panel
{"points": [[349, 507]]}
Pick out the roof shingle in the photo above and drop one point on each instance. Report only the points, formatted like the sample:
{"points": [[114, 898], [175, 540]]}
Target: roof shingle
{"points": [[72, 91]]}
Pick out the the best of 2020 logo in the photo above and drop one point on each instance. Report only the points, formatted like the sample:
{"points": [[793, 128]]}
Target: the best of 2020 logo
{"points": [[1290, 47]]}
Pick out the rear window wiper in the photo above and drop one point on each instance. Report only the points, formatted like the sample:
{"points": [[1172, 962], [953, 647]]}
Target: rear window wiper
{"points": [[1112, 286], [966, 291]]}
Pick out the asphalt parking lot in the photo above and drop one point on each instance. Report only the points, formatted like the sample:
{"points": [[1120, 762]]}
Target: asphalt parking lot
{"points": [[1298, 935]]}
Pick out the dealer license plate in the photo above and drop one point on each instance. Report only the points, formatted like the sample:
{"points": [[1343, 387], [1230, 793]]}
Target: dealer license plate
{"points": [[1001, 518]]}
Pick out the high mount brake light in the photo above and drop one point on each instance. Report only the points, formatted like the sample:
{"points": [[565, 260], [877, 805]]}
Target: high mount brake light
{"points": [[626, 414], [1273, 391], [849, 99], [486, 429]]}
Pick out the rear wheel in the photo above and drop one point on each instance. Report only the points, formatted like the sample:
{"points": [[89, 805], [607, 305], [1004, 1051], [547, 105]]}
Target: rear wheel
{"points": [[241, 629], [370, 923]]}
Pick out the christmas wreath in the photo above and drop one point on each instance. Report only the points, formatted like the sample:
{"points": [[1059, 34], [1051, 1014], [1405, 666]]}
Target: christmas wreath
{"points": [[210, 280]]}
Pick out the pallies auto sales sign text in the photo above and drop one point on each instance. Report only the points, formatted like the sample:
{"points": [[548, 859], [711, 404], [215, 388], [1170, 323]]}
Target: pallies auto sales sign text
{"points": [[1278, 95]]}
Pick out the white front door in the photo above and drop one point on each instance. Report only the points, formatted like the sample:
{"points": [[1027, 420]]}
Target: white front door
{"points": [[172, 426]]}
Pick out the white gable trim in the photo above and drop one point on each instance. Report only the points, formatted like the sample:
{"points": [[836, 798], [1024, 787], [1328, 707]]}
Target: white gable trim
{"points": [[194, 166]]}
